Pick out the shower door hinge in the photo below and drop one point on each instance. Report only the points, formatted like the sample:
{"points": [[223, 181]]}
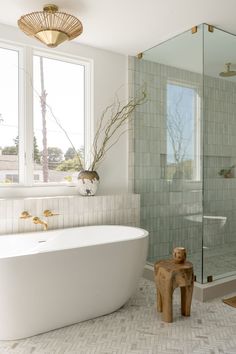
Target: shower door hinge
{"points": [[194, 29], [210, 278], [140, 55], [210, 28]]}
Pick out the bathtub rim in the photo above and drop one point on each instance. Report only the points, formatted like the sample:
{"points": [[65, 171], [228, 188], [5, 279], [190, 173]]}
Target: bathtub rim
{"points": [[145, 234]]}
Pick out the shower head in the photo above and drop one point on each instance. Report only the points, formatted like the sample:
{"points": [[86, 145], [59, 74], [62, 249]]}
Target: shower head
{"points": [[228, 72]]}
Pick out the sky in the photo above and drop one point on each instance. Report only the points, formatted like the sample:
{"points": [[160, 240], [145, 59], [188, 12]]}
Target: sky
{"points": [[64, 84]]}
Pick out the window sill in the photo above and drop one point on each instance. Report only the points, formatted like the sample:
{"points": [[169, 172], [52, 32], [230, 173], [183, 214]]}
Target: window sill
{"points": [[51, 190]]}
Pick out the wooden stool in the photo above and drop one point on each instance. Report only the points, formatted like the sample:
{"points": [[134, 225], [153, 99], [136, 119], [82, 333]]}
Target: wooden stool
{"points": [[168, 277]]}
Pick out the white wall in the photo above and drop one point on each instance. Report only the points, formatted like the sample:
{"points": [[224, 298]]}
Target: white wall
{"points": [[123, 209], [110, 74]]}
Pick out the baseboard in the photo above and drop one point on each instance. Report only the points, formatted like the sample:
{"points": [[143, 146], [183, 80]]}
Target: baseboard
{"points": [[203, 292]]}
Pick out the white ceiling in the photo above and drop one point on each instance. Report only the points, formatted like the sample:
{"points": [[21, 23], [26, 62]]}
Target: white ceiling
{"points": [[131, 26]]}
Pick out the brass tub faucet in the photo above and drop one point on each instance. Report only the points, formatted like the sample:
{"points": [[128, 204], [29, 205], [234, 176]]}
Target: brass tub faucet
{"points": [[37, 220]]}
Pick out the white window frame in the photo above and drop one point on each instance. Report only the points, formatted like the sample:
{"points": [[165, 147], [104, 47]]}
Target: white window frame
{"points": [[197, 126], [26, 186]]}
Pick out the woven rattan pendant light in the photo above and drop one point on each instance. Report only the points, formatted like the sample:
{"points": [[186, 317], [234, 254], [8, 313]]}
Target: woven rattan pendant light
{"points": [[50, 26]]}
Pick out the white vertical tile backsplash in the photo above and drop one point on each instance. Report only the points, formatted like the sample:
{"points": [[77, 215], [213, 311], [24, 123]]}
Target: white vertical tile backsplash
{"points": [[72, 210]]}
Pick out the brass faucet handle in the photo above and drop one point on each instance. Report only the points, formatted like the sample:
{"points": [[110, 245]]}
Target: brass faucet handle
{"points": [[25, 215], [47, 213]]}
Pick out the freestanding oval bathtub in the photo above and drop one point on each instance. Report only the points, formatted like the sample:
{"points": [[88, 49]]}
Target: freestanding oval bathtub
{"points": [[53, 279]]}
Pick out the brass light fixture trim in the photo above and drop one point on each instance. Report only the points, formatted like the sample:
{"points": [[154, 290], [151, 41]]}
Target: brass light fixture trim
{"points": [[50, 8], [51, 26]]}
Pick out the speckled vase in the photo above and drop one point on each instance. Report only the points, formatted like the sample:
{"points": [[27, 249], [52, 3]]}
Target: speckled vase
{"points": [[88, 182]]}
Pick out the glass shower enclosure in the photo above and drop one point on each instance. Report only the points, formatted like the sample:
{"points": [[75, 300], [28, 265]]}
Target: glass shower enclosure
{"points": [[184, 149]]}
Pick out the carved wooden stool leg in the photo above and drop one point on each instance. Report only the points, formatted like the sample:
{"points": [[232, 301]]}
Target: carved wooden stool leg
{"points": [[167, 314], [159, 301], [186, 299]]}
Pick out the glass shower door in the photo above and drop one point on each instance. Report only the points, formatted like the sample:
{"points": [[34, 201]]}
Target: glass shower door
{"points": [[168, 146], [219, 134]]}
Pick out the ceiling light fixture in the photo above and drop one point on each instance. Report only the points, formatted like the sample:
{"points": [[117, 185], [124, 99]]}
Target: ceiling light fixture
{"points": [[50, 26]]}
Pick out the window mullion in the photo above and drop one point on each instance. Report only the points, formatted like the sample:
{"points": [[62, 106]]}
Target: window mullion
{"points": [[28, 121], [21, 119]]}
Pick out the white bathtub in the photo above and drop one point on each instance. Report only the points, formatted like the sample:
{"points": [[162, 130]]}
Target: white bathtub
{"points": [[73, 275]]}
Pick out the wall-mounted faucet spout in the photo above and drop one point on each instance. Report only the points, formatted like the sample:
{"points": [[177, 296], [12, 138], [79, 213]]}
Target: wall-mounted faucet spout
{"points": [[37, 220]]}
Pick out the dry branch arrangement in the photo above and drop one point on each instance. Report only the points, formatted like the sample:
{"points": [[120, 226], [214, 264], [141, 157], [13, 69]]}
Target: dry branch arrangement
{"points": [[110, 130]]}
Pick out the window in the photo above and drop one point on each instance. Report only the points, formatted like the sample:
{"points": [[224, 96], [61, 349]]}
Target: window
{"points": [[183, 132], [43, 109], [9, 108], [58, 108]]}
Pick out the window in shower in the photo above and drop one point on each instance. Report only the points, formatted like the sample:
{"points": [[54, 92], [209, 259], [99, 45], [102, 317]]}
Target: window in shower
{"points": [[9, 112], [182, 160]]}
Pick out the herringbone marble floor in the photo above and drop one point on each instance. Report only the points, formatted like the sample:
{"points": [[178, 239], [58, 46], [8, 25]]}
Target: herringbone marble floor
{"points": [[137, 329]]}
